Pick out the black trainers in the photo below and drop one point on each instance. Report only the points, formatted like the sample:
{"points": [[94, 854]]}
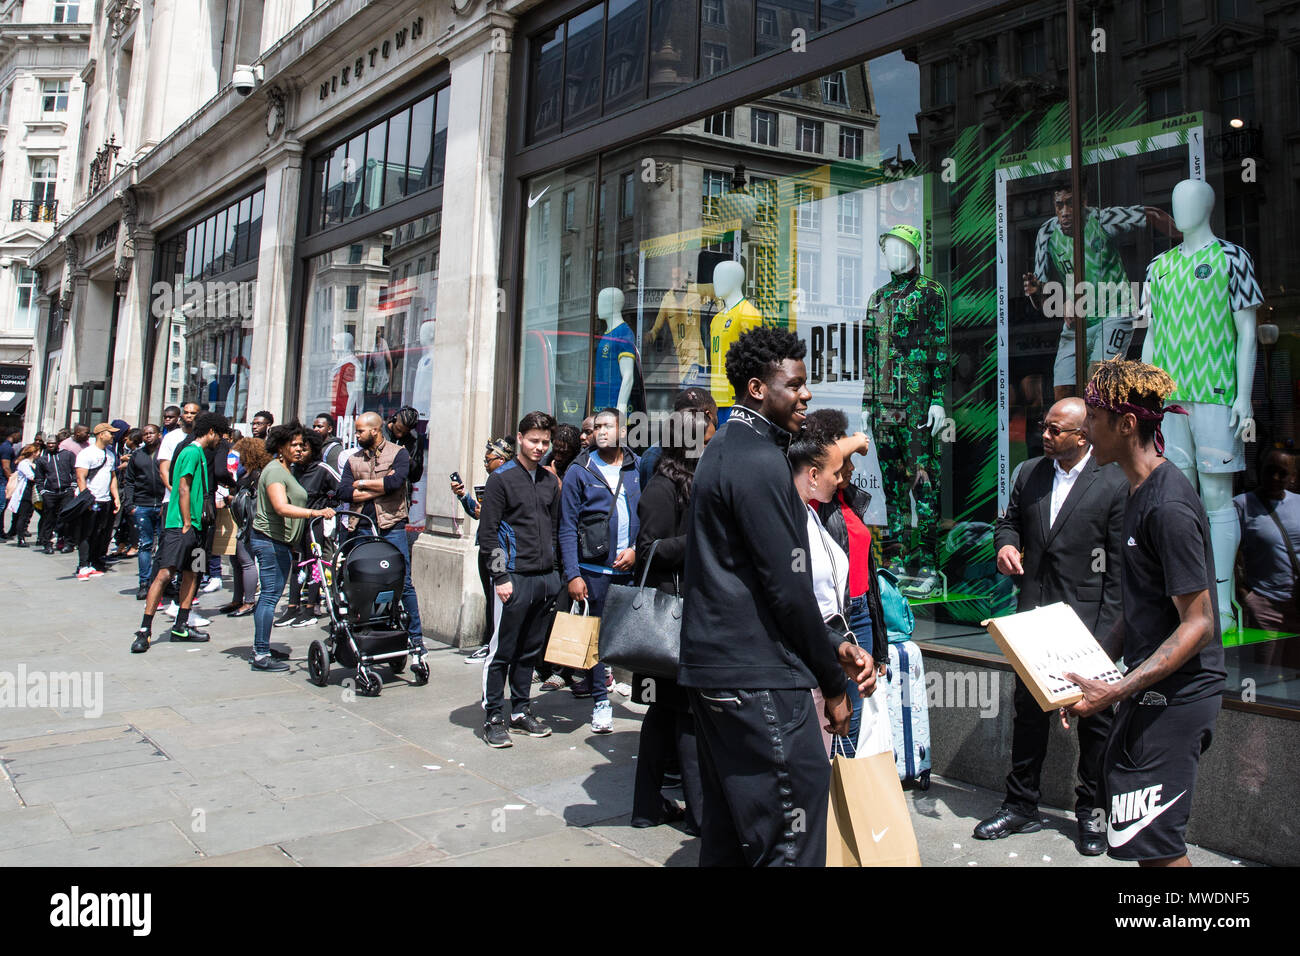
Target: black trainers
{"points": [[142, 592], [267, 663], [526, 723], [305, 618], [188, 634], [1004, 823], [494, 732], [288, 617], [141, 642]]}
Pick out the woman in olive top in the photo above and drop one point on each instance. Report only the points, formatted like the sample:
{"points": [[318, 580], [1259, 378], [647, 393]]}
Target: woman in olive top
{"points": [[281, 511]]}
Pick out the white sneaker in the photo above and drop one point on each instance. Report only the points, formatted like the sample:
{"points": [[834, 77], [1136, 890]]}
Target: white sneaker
{"points": [[84, 574], [198, 620], [171, 609], [602, 718], [214, 584]]}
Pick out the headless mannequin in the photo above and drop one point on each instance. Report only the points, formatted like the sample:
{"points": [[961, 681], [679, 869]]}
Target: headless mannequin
{"points": [[1193, 201], [609, 307]]}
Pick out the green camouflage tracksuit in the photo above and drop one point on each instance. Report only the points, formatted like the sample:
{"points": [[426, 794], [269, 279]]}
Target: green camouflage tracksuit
{"points": [[909, 365]]}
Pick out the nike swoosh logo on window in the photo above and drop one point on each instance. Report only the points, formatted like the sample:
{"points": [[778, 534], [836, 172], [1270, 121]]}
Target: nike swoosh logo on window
{"points": [[532, 200], [1120, 837]]}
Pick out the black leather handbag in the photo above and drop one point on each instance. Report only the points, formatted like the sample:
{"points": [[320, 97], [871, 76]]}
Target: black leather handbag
{"points": [[641, 628]]}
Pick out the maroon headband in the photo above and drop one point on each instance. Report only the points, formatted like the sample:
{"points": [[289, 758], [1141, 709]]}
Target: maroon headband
{"points": [[1092, 396]]}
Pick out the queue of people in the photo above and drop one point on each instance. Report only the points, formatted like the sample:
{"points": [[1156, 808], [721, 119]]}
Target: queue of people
{"points": [[778, 656], [758, 528], [158, 491]]}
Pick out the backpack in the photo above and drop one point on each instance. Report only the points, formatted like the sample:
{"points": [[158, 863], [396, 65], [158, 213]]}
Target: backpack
{"points": [[243, 506], [899, 620]]}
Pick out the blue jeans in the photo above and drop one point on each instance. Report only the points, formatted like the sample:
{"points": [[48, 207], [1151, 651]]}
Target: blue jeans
{"points": [[273, 559], [597, 591], [414, 629], [860, 621], [146, 530]]}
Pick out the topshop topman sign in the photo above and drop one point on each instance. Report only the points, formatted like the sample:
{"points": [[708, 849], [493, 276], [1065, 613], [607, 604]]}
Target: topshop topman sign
{"points": [[13, 377], [370, 61]]}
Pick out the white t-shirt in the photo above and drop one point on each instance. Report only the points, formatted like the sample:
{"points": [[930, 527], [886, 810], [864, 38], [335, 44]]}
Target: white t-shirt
{"points": [[610, 474], [167, 451], [830, 567], [101, 482]]}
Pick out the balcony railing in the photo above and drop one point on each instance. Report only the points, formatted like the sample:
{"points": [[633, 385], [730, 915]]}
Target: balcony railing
{"points": [[101, 167], [25, 210]]}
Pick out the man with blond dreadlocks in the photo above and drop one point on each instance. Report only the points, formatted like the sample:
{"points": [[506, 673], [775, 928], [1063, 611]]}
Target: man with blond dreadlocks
{"points": [[1169, 699]]}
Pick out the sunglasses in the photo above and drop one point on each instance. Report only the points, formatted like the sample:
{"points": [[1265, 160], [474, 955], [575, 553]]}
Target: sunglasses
{"points": [[1056, 430]]}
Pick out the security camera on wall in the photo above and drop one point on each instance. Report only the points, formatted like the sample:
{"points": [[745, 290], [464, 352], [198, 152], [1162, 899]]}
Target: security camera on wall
{"points": [[245, 78]]}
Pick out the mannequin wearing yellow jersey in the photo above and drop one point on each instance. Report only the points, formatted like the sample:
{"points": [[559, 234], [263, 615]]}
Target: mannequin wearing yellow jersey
{"points": [[738, 316]]}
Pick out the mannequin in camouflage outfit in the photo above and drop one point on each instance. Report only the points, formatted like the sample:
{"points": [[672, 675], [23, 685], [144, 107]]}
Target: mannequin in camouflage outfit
{"points": [[903, 396]]}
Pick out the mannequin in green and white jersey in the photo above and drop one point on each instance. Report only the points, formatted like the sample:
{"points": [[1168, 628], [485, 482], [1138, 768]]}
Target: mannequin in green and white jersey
{"points": [[1200, 298]]}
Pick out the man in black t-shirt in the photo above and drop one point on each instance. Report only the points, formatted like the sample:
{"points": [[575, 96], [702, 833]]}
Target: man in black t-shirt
{"points": [[1169, 698]]}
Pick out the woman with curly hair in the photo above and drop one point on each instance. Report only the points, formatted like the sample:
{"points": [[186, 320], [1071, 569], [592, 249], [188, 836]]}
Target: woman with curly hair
{"points": [[281, 511]]}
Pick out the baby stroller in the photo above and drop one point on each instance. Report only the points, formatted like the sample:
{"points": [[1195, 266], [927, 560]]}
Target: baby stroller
{"points": [[362, 577]]}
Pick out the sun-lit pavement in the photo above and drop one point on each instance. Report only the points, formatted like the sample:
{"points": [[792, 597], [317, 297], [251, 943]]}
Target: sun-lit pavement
{"points": [[197, 759]]}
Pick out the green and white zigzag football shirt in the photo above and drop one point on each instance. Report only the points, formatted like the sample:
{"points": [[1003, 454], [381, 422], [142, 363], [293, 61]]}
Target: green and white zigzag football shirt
{"points": [[1190, 300]]}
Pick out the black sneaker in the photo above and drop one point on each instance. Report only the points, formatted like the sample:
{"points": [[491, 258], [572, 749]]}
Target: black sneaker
{"points": [[47, 549], [526, 723], [141, 642], [268, 663], [1006, 822], [305, 618], [288, 617], [188, 634], [142, 592], [494, 732]]}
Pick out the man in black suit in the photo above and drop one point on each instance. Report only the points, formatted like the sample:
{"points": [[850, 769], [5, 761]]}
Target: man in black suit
{"points": [[1061, 538]]}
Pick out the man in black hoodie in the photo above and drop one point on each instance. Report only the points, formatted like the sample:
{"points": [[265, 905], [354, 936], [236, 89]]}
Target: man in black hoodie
{"points": [[56, 479], [753, 642]]}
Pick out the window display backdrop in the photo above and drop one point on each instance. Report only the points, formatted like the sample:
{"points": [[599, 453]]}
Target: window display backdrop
{"points": [[878, 204], [370, 322]]}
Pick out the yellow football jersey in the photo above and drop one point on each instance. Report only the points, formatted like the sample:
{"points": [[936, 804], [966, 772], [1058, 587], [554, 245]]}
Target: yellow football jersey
{"points": [[682, 316], [726, 327]]}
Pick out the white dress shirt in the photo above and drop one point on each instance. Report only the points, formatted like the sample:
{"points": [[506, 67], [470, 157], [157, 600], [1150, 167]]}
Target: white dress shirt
{"points": [[1063, 481]]}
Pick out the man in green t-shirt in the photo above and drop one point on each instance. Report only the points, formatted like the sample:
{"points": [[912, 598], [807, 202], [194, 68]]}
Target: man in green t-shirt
{"points": [[180, 546]]}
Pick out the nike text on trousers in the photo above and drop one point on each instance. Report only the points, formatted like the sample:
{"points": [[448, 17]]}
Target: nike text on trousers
{"points": [[1149, 772], [518, 640], [765, 776]]}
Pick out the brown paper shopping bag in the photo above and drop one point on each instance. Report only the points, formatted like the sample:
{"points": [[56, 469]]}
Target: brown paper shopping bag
{"points": [[575, 639], [225, 533], [868, 823]]}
